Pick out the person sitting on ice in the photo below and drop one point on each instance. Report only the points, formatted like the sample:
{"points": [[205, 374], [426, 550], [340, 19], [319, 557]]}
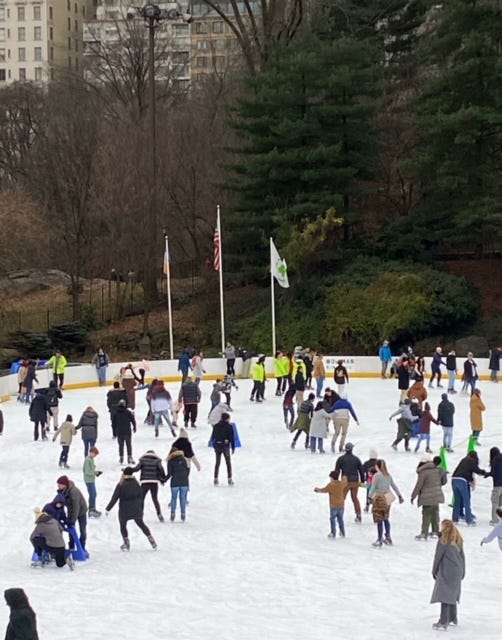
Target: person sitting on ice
{"points": [[496, 532], [216, 413], [47, 538]]}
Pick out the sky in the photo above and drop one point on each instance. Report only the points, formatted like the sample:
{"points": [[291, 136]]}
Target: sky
{"points": [[252, 561]]}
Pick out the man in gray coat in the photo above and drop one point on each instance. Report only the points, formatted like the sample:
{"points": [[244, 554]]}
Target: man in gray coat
{"points": [[428, 490]]}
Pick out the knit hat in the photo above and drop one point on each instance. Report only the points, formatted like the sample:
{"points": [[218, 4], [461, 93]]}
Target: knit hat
{"points": [[128, 471], [349, 446], [59, 499], [183, 433], [426, 457], [444, 396], [64, 480]]}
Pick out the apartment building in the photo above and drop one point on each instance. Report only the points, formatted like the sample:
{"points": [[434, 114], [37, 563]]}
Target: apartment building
{"points": [[38, 38], [114, 32], [214, 46]]}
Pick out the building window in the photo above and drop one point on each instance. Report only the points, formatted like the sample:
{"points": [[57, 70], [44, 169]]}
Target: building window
{"points": [[37, 33], [83, 9], [219, 44], [52, 74], [2, 55], [21, 34], [21, 14], [219, 62], [51, 53], [37, 12], [202, 45], [219, 27], [201, 62], [76, 26], [76, 64], [76, 45], [69, 44], [2, 34], [201, 27], [51, 33], [38, 53], [21, 54], [68, 5], [50, 13], [75, 7], [2, 75], [38, 73], [22, 74], [69, 63], [2, 13], [69, 24]]}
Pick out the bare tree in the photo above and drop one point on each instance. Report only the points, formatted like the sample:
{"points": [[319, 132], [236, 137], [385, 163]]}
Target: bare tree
{"points": [[258, 24], [60, 175]]}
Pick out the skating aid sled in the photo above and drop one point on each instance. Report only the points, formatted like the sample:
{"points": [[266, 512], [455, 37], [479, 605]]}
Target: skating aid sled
{"points": [[79, 553]]}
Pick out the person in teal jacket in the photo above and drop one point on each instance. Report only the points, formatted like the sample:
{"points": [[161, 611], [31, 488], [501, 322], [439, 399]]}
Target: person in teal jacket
{"points": [[385, 356], [90, 475]]}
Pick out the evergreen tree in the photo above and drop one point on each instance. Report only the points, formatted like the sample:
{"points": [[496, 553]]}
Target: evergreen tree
{"points": [[308, 142], [460, 116]]}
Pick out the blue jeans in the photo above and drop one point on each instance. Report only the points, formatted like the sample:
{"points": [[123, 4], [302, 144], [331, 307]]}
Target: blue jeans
{"points": [[87, 445], [101, 375], [447, 437], [471, 383], [288, 410], [451, 379], [316, 441], [320, 384], [157, 418], [336, 515], [91, 490], [461, 499], [182, 493], [426, 437]]}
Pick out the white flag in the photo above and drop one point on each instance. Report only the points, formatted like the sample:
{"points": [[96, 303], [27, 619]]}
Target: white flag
{"points": [[278, 266]]}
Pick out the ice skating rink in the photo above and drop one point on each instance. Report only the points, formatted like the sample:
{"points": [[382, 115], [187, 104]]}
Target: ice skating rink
{"points": [[253, 561]]}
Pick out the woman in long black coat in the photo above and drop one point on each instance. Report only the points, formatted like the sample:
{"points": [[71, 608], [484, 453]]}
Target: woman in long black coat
{"points": [[22, 622], [130, 498], [448, 571]]}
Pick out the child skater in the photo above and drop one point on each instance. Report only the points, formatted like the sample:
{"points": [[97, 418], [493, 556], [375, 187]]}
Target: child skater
{"points": [[302, 422], [425, 428], [496, 532], [336, 490], [66, 432], [288, 406]]}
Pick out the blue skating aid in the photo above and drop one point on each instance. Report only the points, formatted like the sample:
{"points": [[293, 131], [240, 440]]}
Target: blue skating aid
{"points": [[79, 553]]}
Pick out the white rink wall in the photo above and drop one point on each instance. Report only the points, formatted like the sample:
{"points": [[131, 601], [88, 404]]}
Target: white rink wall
{"points": [[81, 376]]}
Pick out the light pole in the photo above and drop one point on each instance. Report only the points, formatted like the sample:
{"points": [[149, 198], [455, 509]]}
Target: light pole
{"points": [[153, 15]]}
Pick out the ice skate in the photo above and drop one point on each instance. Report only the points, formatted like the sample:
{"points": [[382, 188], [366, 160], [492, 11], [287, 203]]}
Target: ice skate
{"points": [[388, 541], [160, 517], [125, 546], [151, 540], [377, 544], [440, 626], [70, 562], [230, 482], [421, 536]]}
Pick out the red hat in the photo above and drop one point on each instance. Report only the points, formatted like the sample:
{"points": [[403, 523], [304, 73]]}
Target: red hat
{"points": [[64, 480]]}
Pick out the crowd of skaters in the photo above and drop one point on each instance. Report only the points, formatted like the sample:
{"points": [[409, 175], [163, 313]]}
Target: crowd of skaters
{"points": [[304, 370]]}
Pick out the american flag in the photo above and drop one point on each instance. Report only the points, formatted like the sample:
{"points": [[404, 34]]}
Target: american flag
{"points": [[216, 247]]}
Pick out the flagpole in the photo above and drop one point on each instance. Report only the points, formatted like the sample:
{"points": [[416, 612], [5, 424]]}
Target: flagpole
{"points": [[222, 311], [169, 306], [272, 294]]}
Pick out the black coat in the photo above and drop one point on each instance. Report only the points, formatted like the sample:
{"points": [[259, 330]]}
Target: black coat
{"points": [[178, 469], [113, 398], [184, 444], [446, 410], [223, 433], [467, 467], [403, 377], [151, 468], [124, 420], [22, 622], [53, 394], [189, 393], [350, 466], [130, 499], [494, 364], [39, 408]]}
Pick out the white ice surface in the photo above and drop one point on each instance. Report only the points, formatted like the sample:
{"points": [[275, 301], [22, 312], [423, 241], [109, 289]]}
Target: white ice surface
{"points": [[253, 561]]}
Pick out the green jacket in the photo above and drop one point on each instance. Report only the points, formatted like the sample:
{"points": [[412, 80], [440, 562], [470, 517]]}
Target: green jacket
{"points": [[258, 372], [57, 363], [89, 469]]}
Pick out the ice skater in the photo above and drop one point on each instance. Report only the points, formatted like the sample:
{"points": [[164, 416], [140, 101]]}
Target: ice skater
{"points": [[337, 493], [496, 532], [448, 571]]}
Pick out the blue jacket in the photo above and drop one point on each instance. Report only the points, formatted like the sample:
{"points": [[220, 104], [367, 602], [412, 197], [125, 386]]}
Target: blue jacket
{"points": [[344, 404], [385, 354], [184, 362]]}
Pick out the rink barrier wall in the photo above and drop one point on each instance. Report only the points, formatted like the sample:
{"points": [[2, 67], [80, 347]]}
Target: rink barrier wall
{"points": [[84, 376]]}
